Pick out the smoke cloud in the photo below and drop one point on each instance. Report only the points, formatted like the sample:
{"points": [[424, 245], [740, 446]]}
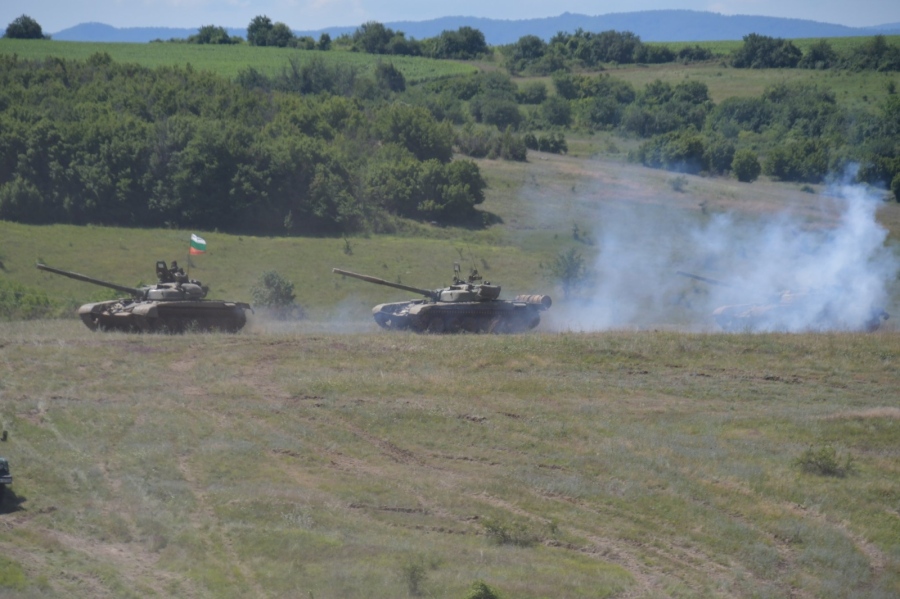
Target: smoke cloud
{"points": [[785, 274]]}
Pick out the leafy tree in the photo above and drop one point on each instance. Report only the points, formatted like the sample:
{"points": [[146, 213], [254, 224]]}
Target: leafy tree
{"points": [[681, 151], [745, 166], [764, 52], [272, 291], [465, 43], [25, 28], [819, 56], [324, 42], [280, 36], [258, 30], [569, 268], [557, 111], [372, 37], [413, 128], [533, 92], [390, 77], [210, 34], [718, 156], [803, 160]]}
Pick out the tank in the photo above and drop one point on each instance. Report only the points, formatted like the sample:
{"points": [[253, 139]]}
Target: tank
{"points": [[469, 306], [175, 304], [794, 310]]}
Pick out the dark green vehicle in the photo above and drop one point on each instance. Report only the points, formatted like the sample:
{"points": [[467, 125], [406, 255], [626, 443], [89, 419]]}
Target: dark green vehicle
{"points": [[175, 304], [467, 306]]}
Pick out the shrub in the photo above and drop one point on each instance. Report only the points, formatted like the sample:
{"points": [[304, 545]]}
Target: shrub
{"points": [[25, 27], [824, 461], [569, 268], [745, 166], [503, 533], [275, 295], [482, 591]]}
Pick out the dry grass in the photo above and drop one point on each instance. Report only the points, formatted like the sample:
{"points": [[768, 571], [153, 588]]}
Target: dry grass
{"points": [[334, 465]]}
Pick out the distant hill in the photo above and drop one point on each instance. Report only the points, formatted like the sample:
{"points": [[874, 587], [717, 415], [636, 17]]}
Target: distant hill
{"points": [[651, 26]]}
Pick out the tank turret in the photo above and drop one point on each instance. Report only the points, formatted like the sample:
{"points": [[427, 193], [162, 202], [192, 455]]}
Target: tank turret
{"points": [[467, 305], [174, 304]]}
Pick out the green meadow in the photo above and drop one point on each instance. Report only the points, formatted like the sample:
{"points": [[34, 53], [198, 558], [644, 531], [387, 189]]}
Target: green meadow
{"points": [[228, 61]]}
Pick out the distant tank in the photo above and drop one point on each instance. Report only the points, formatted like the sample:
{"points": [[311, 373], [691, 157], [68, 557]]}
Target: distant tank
{"points": [[465, 306], [789, 310], [174, 305]]}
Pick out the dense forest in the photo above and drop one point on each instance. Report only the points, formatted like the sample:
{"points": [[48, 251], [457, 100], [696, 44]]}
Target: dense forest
{"points": [[326, 149], [100, 142]]}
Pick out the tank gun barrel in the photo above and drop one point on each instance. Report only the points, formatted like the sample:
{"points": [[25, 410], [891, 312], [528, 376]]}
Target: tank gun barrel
{"points": [[377, 281], [133, 291]]}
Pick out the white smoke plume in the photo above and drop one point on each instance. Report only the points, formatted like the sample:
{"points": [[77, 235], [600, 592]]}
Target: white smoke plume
{"points": [[785, 274]]}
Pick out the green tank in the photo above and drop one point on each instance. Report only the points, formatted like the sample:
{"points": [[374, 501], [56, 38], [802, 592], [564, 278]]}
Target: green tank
{"points": [[466, 306], [791, 310], [175, 304]]}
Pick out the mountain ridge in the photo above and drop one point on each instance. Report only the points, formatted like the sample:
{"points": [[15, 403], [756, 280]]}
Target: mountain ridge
{"points": [[652, 26]]}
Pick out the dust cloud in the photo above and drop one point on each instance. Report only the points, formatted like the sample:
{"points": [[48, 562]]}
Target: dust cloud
{"points": [[786, 273]]}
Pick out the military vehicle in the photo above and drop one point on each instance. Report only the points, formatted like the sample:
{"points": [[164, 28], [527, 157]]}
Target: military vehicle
{"points": [[790, 310], [5, 475], [465, 306], [174, 305]]}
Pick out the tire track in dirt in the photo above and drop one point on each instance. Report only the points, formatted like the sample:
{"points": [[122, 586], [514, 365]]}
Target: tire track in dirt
{"points": [[236, 562]]}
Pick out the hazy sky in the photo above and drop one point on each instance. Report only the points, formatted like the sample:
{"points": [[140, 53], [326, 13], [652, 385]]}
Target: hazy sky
{"points": [[56, 15]]}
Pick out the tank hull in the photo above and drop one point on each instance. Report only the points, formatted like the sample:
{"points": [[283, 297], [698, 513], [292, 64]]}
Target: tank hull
{"points": [[132, 316], [423, 316]]}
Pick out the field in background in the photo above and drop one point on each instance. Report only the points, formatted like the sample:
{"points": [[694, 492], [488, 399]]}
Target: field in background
{"points": [[229, 61], [855, 89]]}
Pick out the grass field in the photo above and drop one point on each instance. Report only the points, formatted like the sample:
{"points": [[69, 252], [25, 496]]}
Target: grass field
{"points": [[315, 464], [228, 61]]}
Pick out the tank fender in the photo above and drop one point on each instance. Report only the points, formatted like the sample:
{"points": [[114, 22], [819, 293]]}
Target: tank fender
{"points": [[95, 308], [147, 309]]}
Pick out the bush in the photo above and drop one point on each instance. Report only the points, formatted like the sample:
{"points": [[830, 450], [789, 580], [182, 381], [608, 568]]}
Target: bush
{"points": [[745, 166], [824, 461], [25, 28], [509, 534], [569, 268], [275, 295], [482, 591]]}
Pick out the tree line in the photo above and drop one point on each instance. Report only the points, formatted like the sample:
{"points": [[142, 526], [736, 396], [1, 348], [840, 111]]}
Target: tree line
{"points": [[102, 142]]}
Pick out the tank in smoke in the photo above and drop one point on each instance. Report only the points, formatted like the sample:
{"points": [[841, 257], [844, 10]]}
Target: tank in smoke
{"points": [[792, 310], [468, 305], [175, 304]]}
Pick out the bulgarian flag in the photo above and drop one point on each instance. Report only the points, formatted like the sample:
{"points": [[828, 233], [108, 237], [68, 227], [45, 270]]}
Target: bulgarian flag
{"points": [[198, 245]]}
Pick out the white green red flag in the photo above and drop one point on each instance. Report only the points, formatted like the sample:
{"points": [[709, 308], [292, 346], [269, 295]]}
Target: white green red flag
{"points": [[198, 245]]}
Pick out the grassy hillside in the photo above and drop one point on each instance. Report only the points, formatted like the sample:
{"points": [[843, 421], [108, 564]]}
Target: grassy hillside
{"points": [[384, 465], [228, 61], [539, 203]]}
